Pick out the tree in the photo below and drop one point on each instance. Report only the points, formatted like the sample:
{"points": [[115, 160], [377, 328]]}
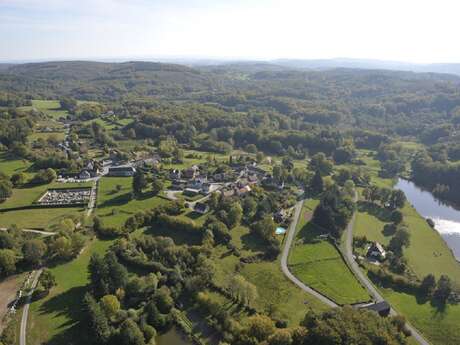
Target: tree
{"points": [[317, 184], [5, 189], [139, 182], [400, 239], [117, 273], [260, 157], [62, 247], [130, 333], [333, 212], [242, 290], [265, 228], [18, 179], [428, 285], [98, 273], [47, 279], [157, 186], [396, 217], [234, 215], [397, 199], [280, 337], [110, 305], [164, 300], [319, 162], [260, 327], [7, 262], [98, 321], [33, 251], [7, 241], [249, 207], [44, 176], [443, 289]]}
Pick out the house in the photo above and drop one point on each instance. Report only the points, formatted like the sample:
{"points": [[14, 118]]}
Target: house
{"points": [[221, 177], [175, 174], [376, 251], [208, 188], [191, 173], [84, 175], [281, 216], [382, 308], [201, 207], [228, 192], [178, 184], [243, 190], [191, 192], [196, 183], [122, 171], [252, 179]]}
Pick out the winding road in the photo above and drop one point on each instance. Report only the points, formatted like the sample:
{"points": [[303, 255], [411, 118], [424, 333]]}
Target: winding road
{"points": [[359, 274], [351, 263], [285, 255]]}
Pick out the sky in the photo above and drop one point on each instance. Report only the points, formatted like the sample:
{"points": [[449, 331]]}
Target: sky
{"points": [[422, 31]]}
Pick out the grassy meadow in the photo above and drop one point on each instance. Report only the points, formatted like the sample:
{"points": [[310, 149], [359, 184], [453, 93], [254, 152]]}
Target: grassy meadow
{"points": [[59, 319], [319, 264], [276, 294], [116, 206], [426, 253]]}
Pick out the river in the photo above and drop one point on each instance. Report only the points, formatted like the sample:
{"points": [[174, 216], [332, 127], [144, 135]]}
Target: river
{"points": [[446, 218]]}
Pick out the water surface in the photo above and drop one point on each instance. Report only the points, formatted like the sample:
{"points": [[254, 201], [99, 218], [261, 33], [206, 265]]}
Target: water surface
{"points": [[446, 218]]}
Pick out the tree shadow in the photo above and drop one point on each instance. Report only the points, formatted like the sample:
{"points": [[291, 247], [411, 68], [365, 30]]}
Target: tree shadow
{"points": [[253, 242], [70, 305], [179, 237], [389, 230], [309, 232], [119, 200], [378, 212], [193, 215]]}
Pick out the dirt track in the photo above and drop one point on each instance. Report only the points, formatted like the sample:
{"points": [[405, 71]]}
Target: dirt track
{"points": [[8, 289]]}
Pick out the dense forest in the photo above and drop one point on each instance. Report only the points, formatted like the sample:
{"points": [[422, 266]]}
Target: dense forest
{"points": [[283, 132], [275, 109]]}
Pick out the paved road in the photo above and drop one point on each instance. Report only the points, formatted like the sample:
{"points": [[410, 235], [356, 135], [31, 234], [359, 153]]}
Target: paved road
{"points": [[25, 312], [285, 254], [366, 282]]}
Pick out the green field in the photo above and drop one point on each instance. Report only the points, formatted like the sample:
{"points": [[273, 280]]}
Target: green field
{"points": [[115, 207], [439, 325], [39, 218], [51, 108], [319, 264], [275, 292], [427, 253], [10, 166], [27, 195], [59, 319], [43, 218]]}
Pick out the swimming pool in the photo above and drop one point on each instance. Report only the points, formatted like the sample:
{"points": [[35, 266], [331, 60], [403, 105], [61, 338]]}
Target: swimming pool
{"points": [[280, 231]]}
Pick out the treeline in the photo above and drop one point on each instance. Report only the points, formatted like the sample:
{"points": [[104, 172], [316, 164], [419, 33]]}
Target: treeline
{"points": [[441, 178], [20, 251]]}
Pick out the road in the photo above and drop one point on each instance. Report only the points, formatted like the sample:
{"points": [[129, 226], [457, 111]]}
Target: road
{"points": [[92, 198], [285, 254], [44, 233], [25, 312], [366, 282]]}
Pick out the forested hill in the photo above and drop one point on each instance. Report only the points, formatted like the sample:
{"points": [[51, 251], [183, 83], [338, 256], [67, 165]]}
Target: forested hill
{"points": [[104, 81], [403, 103]]}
